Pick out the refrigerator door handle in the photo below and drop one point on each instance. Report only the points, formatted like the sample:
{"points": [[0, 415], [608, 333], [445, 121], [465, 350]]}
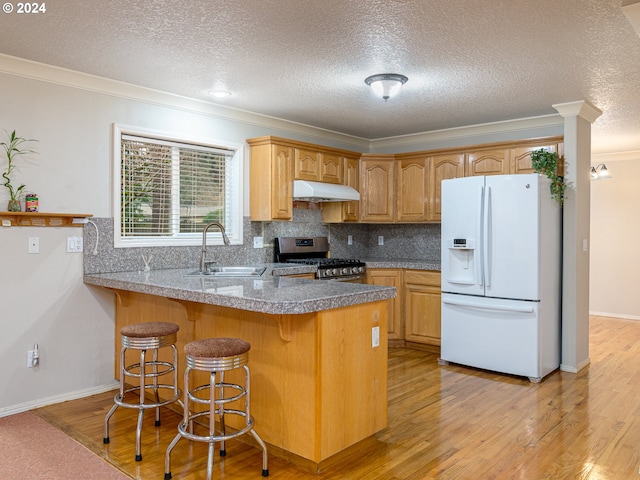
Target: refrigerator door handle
{"points": [[487, 242], [494, 307], [479, 255]]}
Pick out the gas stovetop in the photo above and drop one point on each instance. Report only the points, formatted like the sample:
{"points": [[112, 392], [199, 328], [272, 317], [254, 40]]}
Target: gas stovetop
{"points": [[315, 251], [334, 267]]}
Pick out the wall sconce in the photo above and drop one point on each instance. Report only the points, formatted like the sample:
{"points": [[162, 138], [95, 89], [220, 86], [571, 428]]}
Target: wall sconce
{"points": [[386, 85], [600, 172]]}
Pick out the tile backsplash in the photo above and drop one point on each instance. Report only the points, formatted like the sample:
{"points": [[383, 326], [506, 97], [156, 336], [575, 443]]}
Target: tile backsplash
{"points": [[401, 241]]}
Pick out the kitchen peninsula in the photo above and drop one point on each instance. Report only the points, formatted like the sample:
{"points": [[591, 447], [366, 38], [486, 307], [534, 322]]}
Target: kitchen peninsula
{"points": [[319, 386]]}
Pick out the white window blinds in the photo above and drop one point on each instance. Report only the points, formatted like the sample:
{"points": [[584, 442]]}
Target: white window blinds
{"points": [[171, 189]]}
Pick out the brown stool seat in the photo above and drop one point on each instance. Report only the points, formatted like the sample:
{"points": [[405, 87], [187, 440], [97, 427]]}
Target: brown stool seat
{"points": [[217, 347], [149, 329]]}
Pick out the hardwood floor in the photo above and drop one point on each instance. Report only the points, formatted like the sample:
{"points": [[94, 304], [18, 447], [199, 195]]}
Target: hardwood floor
{"points": [[444, 423]]}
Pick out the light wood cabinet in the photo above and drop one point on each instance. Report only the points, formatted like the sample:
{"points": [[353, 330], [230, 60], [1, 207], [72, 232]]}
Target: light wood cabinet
{"points": [[331, 168], [413, 190], [276, 161], [317, 166], [422, 307], [335, 212], [306, 165], [402, 188], [521, 157], [390, 277], [488, 162], [271, 178], [377, 188], [442, 167]]}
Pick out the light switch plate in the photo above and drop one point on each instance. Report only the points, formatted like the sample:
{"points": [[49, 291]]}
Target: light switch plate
{"points": [[257, 242]]}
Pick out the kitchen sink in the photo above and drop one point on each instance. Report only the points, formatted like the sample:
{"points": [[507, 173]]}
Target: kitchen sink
{"points": [[240, 271]]}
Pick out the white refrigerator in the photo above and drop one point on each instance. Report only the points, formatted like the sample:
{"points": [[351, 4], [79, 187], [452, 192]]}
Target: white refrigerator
{"points": [[501, 264]]}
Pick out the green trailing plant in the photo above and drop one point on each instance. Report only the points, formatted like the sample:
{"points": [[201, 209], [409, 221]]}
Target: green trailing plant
{"points": [[546, 163], [13, 148]]}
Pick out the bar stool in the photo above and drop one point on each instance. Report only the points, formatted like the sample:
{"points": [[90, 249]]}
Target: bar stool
{"points": [[216, 355], [146, 336]]}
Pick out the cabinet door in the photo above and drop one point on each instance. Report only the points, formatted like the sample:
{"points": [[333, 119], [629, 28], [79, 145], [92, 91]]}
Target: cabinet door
{"points": [[377, 180], [390, 277], [351, 210], [335, 212], [307, 165], [331, 168], [442, 167], [282, 183], [488, 162], [422, 307], [521, 157], [412, 190]]}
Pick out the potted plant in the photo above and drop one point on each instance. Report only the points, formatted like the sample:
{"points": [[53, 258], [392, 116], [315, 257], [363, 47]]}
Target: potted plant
{"points": [[13, 148], [546, 163]]}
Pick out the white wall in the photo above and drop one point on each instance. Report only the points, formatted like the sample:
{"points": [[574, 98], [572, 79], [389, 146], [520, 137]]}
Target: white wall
{"points": [[615, 230]]}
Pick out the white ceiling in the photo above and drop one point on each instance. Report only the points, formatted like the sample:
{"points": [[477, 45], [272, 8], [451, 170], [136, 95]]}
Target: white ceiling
{"points": [[468, 61]]}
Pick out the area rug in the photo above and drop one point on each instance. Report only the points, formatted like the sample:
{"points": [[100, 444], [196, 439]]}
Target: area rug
{"points": [[32, 448]]}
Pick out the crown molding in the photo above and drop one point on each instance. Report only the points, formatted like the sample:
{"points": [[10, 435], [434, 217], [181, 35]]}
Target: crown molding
{"points": [[11, 65], [483, 129]]}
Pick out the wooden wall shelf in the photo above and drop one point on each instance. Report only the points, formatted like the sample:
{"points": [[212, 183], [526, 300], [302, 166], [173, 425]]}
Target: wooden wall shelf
{"points": [[41, 219]]}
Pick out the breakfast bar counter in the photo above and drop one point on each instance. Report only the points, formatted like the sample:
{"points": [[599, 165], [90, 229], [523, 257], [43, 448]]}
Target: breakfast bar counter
{"points": [[318, 354]]}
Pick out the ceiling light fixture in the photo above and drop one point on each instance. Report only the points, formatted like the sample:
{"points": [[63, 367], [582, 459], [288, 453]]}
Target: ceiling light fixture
{"points": [[386, 85], [600, 172], [219, 93]]}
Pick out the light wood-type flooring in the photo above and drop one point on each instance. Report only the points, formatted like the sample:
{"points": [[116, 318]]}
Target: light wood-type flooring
{"points": [[446, 422]]}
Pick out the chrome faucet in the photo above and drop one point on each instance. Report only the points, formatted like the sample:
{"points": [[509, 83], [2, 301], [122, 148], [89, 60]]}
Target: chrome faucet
{"points": [[204, 241]]}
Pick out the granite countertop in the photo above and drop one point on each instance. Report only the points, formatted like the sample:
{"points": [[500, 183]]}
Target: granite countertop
{"points": [[409, 263], [268, 293]]}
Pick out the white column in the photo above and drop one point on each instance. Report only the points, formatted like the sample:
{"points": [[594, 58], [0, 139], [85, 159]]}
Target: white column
{"points": [[578, 117]]}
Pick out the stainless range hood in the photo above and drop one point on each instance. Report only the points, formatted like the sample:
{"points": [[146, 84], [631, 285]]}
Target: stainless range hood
{"points": [[323, 192]]}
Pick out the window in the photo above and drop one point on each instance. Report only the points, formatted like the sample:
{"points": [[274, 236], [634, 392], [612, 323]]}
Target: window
{"points": [[168, 189]]}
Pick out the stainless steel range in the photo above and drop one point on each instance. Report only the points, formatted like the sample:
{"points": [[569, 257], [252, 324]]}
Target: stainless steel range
{"points": [[315, 251]]}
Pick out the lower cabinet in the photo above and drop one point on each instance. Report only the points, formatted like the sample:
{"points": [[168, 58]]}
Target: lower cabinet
{"points": [[414, 315], [390, 277], [422, 308]]}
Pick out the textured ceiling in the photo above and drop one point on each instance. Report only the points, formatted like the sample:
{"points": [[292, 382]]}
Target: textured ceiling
{"points": [[468, 61]]}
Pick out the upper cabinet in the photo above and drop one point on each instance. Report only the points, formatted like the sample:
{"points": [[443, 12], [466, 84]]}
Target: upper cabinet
{"points": [[275, 162], [488, 162], [442, 167], [521, 156], [271, 178], [413, 190], [377, 188], [336, 212], [401, 188], [306, 165], [318, 166]]}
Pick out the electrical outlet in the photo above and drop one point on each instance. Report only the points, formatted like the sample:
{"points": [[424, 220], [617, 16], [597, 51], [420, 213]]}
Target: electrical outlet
{"points": [[34, 244], [74, 244], [375, 337], [349, 239], [380, 240], [257, 242]]}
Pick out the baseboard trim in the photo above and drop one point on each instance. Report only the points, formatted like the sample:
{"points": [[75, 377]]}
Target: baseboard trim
{"points": [[42, 402], [614, 315], [577, 368]]}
